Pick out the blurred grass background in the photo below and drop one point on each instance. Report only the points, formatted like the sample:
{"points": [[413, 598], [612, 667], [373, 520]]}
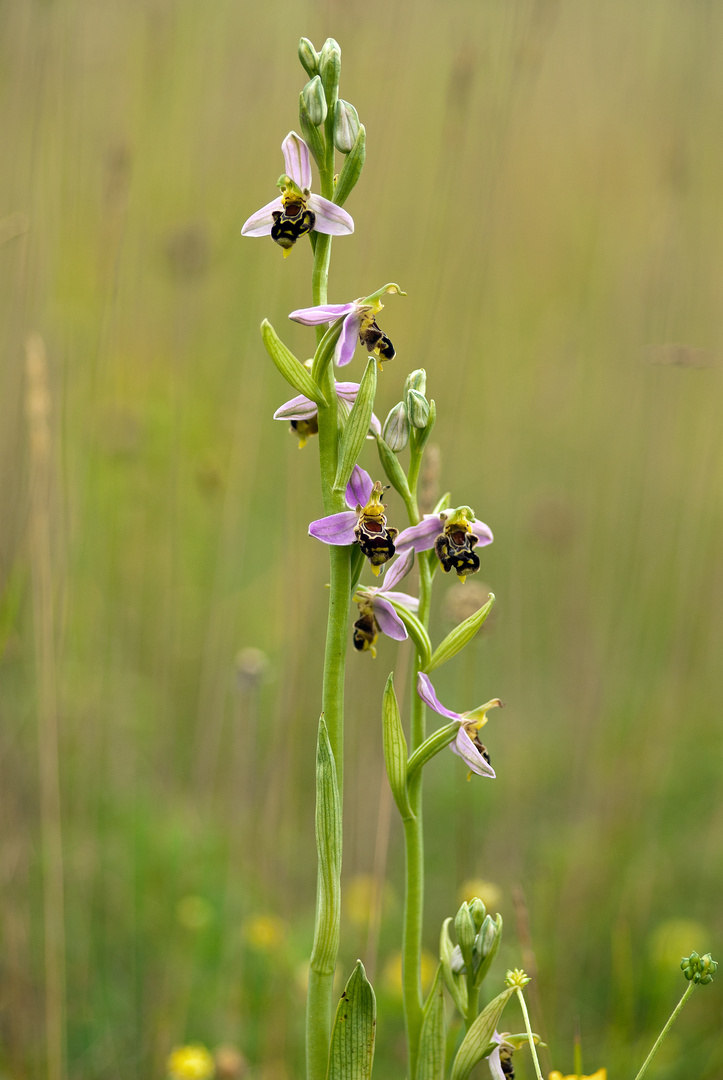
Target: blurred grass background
{"points": [[544, 180]]}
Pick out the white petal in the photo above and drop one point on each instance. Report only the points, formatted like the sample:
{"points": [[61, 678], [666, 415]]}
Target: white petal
{"points": [[260, 223], [330, 218]]}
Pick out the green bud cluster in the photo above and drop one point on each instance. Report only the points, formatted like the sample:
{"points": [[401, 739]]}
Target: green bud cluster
{"points": [[329, 123], [465, 965], [699, 969], [410, 416]]}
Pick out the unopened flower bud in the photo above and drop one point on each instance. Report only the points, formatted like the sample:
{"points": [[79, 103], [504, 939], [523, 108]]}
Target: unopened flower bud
{"points": [[315, 101], [309, 57], [466, 933], [517, 978], [700, 969], [486, 937], [416, 380], [478, 911], [330, 67], [396, 428], [418, 409], [346, 126], [456, 961]]}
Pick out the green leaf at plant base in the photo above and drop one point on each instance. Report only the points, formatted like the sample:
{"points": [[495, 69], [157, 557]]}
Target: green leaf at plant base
{"points": [[459, 637], [328, 844], [416, 631], [395, 750], [352, 1038], [356, 428], [432, 1037], [292, 369], [478, 1041]]}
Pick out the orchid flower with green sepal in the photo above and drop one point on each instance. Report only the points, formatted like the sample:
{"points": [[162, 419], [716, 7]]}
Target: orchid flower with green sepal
{"points": [[297, 211], [377, 607], [453, 534], [466, 744], [365, 522], [359, 322], [302, 412]]}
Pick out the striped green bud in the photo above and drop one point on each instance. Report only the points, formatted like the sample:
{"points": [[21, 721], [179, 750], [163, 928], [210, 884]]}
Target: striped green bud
{"points": [[330, 68], [466, 933], [478, 911], [417, 409], [346, 126], [315, 101], [396, 428], [416, 380], [309, 57]]}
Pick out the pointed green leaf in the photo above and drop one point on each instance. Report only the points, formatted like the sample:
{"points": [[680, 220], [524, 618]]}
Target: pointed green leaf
{"points": [[416, 631], [459, 637], [352, 1038], [351, 169], [395, 750], [476, 1042], [432, 1037], [431, 746], [394, 471], [292, 369], [325, 350], [328, 845], [358, 562], [356, 428]]}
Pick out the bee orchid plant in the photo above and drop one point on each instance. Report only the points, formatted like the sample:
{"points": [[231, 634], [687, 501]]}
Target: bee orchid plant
{"points": [[359, 528]]}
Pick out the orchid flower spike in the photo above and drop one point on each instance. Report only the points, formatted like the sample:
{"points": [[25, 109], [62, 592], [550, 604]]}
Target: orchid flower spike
{"points": [[376, 607], [453, 534], [302, 413], [365, 525], [467, 744], [296, 211], [359, 322]]}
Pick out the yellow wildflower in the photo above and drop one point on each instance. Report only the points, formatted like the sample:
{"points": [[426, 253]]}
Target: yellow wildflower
{"points": [[601, 1074], [192, 1062], [265, 932]]}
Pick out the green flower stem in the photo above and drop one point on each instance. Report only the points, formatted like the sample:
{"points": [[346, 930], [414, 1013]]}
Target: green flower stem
{"points": [[413, 834], [319, 1001], [412, 923], [319, 1006], [666, 1029], [530, 1036]]}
